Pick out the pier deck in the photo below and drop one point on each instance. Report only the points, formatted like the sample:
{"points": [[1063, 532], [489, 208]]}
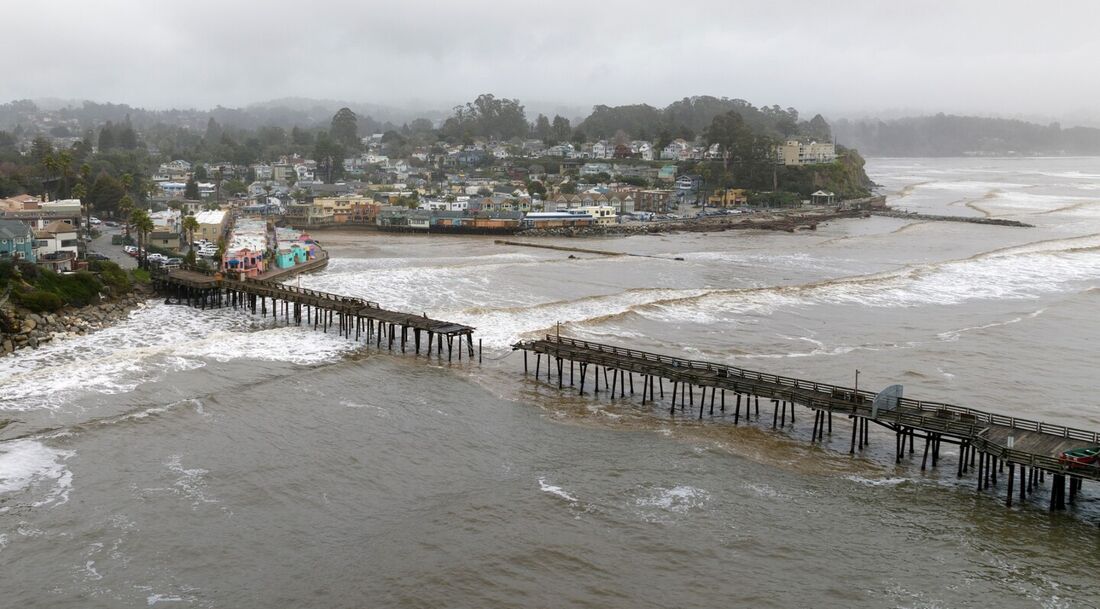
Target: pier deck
{"points": [[353, 316], [997, 440]]}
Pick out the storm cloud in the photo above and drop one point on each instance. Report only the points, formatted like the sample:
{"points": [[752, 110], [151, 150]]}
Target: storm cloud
{"points": [[997, 57]]}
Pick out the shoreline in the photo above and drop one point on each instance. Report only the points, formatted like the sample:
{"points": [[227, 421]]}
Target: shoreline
{"points": [[32, 330]]}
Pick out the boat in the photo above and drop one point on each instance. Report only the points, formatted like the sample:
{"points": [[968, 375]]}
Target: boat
{"points": [[1081, 456]]}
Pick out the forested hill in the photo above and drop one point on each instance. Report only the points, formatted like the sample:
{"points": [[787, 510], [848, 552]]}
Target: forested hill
{"points": [[948, 135]]}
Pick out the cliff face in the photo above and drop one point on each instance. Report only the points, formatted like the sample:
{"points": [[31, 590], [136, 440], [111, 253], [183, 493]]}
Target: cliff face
{"points": [[846, 177]]}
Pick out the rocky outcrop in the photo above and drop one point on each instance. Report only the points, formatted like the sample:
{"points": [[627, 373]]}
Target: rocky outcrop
{"points": [[20, 328]]}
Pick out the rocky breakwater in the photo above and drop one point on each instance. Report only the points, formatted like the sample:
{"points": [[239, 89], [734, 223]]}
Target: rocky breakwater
{"points": [[20, 328], [912, 215]]}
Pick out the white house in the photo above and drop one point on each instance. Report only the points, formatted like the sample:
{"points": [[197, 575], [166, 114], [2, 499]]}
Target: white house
{"points": [[57, 237]]}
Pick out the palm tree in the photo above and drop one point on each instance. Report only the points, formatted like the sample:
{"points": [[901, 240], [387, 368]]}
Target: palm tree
{"points": [[125, 207], [189, 226], [143, 224]]}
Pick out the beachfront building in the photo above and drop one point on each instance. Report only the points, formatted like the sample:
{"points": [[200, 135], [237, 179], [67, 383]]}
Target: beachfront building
{"points": [[16, 241], [730, 197], [57, 236], [246, 248], [603, 215]]}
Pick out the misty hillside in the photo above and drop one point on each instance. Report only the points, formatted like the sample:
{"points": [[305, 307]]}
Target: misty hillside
{"points": [[948, 135]]}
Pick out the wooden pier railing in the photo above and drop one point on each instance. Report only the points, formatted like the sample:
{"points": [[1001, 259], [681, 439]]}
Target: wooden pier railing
{"points": [[353, 316], [993, 439]]}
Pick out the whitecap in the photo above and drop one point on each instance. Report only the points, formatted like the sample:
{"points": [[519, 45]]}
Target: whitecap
{"points": [[876, 481], [31, 466], [556, 490], [679, 499]]}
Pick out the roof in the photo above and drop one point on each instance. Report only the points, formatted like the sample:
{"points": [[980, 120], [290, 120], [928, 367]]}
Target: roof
{"points": [[210, 216], [57, 226], [10, 229]]}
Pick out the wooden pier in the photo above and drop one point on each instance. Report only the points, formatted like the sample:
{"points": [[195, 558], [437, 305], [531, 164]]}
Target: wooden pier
{"points": [[351, 317], [987, 441]]}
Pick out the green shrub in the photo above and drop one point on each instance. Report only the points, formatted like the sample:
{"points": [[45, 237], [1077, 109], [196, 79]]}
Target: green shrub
{"points": [[113, 276], [141, 275], [39, 301], [28, 270], [78, 289], [7, 272]]}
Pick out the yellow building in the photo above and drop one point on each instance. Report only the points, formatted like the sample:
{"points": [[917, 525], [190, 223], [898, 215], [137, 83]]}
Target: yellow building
{"points": [[340, 209], [732, 197]]}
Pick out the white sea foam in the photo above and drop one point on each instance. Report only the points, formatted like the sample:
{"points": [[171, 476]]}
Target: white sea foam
{"points": [[877, 481], [1026, 273], [29, 467], [153, 342], [153, 599], [546, 487], [190, 482], [953, 335], [678, 499]]}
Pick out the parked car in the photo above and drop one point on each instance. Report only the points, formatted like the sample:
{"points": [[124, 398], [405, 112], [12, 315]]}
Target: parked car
{"points": [[96, 256], [155, 257], [174, 261]]}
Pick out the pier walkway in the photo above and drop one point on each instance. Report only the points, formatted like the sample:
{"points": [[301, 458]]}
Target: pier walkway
{"points": [[995, 441], [350, 316]]}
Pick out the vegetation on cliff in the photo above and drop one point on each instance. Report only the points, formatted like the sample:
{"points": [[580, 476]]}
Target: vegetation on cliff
{"points": [[42, 290]]}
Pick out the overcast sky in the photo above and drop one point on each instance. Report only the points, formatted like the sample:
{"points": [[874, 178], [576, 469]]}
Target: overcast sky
{"points": [[999, 57]]}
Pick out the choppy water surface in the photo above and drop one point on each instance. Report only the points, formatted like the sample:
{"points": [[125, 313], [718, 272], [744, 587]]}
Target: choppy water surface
{"points": [[210, 459]]}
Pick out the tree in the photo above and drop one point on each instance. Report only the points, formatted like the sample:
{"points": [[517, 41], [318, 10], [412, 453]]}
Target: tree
{"points": [[329, 155], [107, 137], [420, 125], [536, 189], [818, 129], [733, 137], [189, 226], [560, 130], [345, 128], [105, 193], [487, 116], [213, 132], [125, 208], [542, 129], [79, 193], [201, 173], [301, 138], [143, 225], [191, 190]]}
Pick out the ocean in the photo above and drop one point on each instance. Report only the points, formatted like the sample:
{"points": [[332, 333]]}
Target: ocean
{"points": [[189, 458]]}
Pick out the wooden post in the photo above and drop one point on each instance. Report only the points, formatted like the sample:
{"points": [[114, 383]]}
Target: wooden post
{"points": [[1011, 477]]}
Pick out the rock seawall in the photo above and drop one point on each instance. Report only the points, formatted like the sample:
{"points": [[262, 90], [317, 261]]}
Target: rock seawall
{"points": [[20, 328]]}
